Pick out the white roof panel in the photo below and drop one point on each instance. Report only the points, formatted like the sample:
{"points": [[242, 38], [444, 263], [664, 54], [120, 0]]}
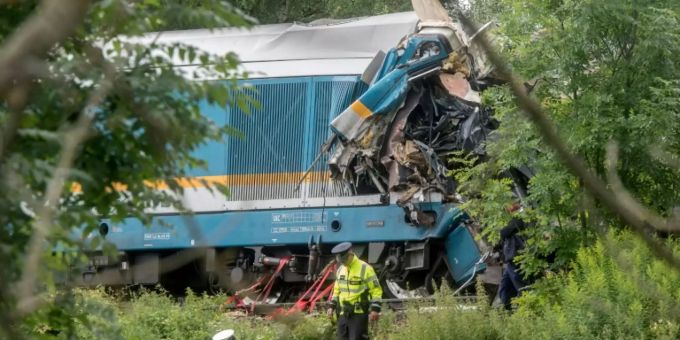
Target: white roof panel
{"points": [[279, 50]]}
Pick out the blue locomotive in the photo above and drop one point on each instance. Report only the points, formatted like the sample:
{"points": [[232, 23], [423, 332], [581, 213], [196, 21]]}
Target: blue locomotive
{"points": [[289, 203]]}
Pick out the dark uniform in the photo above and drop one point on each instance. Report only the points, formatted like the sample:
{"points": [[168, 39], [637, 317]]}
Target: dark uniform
{"points": [[512, 281], [356, 292]]}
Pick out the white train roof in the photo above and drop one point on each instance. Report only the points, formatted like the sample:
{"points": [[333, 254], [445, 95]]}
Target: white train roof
{"points": [[337, 47]]}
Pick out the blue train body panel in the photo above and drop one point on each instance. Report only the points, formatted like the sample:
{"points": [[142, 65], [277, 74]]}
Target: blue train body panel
{"points": [[463, 254], [281, 227]]}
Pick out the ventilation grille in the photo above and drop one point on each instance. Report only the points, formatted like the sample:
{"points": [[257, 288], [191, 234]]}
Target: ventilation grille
{"points": [[283, 137], [270, 155]]}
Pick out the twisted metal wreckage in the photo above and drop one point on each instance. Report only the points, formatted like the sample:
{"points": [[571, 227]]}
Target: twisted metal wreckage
{"points": [[422, 106]]}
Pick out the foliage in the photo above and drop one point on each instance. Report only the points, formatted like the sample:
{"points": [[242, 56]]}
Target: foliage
{"points": [[276, 11], [616, 289], [154, 314], [604, 70], [145, 127], [599, 298]]}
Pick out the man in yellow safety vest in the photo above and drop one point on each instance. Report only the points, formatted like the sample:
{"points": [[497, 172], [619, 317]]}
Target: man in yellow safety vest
{"points": [[356, 294]]}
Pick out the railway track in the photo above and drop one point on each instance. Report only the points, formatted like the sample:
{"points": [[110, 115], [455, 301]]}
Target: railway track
{"points": [[424, 304]]}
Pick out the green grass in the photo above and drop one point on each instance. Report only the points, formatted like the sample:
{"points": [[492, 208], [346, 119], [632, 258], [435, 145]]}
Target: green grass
{"points": [[615, 290]]}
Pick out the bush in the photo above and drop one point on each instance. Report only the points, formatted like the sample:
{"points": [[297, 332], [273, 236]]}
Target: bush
{"points": [[615, 289]]}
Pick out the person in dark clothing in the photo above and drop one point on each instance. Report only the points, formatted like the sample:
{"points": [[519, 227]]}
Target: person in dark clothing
{"points": [[511, 281]]}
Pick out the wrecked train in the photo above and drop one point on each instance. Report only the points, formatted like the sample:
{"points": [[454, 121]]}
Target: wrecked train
{"points": [[384, 123]]}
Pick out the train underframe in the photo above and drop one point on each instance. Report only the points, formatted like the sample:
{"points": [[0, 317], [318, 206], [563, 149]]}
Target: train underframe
{"points": [[407, 269]]}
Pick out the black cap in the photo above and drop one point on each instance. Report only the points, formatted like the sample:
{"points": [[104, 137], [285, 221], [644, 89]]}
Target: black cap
{"points": [[341, 248]]}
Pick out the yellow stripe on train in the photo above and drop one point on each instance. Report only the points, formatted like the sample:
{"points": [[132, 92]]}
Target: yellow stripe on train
{"points": [[360, 109], [228, 180]]}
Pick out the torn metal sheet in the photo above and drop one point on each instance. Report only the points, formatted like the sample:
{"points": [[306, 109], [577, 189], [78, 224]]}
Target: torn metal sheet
{"points": [[458, 86], [397, 172]]}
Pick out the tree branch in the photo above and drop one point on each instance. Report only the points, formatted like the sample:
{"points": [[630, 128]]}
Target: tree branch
{"points": [[73, 138]]}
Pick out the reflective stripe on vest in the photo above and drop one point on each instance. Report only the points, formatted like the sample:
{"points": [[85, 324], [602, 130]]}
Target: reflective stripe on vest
{"points": [[363, 271]]}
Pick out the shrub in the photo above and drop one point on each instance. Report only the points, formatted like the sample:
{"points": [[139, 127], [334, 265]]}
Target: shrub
{"points": [[616, 289]]}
